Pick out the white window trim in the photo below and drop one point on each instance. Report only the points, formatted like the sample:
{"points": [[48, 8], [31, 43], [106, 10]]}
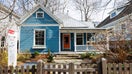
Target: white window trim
{"points": [[82, 38], [39, 46], [39, 12]]}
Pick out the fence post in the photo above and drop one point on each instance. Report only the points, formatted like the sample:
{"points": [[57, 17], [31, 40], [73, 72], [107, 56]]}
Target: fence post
{"points": [[1, 70], [104, 66], [130, 68], [39, 68], [71, 68], [33, 69]]}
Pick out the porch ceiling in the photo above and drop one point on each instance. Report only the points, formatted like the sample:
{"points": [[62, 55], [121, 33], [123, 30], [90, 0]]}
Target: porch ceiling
{"points": [[81, 30]]}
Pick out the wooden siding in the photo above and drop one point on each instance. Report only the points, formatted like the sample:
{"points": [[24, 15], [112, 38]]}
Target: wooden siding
{"points": [[27, 38]]}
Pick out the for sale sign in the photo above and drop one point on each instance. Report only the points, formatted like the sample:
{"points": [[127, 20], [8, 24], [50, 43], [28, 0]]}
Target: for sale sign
{"points": [[12, 47]]}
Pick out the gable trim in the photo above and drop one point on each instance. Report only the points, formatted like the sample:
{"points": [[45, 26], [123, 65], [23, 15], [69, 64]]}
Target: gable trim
{"points": [[24, 18]]}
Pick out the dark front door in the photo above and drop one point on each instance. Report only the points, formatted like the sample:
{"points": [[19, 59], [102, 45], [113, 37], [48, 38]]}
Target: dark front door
{"points": [[66, 41]]}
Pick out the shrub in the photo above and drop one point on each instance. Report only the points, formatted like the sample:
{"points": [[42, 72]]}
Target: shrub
{"points": [[36, 53], [23, 57], [4, 58], [88, 55], [50, 57]]}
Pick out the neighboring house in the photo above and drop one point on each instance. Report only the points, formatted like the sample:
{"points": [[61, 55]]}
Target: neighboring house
{"points": [[119, 23], [6, 23], [41, 30]]}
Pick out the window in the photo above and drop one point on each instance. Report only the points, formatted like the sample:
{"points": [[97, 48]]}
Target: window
{"points": [[113, 14], [89, 36], [39, 38], [3, 41], [80, 39], [39, 14]]}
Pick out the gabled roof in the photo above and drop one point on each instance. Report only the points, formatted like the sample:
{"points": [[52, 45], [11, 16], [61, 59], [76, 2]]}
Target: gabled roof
{"points": [[127, 10], [27, 15], [7, 10], [69, 22]]}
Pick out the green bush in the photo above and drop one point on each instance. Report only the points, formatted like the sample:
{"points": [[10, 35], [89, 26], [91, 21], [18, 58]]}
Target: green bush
{"points": [[50, 58], [36, 53]]}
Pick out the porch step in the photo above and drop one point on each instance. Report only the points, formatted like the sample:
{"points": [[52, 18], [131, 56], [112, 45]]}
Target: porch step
{"points": [[67, 56]]}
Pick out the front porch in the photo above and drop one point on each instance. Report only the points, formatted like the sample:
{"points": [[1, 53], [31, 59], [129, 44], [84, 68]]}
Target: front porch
{"points": [[80, 40]]}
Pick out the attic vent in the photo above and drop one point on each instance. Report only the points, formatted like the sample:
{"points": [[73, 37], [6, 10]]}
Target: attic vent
{"points": [[39, 14]]}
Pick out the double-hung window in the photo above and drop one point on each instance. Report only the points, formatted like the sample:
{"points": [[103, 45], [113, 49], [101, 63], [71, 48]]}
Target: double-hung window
{"points": [[39, 38], [80, 38]]}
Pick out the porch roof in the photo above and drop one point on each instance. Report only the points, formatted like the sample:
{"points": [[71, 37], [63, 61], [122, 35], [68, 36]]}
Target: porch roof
{"points": [[82, 30]]}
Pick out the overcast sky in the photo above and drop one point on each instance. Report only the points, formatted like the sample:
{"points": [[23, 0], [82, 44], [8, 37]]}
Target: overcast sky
{"points": [[99, 16]]}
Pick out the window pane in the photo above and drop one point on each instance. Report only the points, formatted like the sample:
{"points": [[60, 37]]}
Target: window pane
{"points": [[90, 36], [39, 37], [79, 39], [40, 15]]}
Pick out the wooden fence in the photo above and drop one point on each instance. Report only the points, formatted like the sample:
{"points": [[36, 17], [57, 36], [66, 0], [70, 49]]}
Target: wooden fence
{"points": [[102, 68]]}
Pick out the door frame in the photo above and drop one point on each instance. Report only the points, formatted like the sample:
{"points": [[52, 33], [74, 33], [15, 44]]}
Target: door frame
{"points": [[69, 40]]}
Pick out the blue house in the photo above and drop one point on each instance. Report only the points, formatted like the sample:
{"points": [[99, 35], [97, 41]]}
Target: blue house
{"points": [[41, 30]]}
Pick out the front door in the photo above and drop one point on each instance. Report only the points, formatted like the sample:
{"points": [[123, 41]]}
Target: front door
{"points": [[66, 41]]}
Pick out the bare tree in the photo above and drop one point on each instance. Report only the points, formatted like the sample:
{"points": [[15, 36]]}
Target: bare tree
{"points": [[53, 5], [23, 6], [11, 9], [86, 7]]}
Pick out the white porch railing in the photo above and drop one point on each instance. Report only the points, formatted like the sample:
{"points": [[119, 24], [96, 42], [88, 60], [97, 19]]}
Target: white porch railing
{"points": [[90, 48], [87, 47]]}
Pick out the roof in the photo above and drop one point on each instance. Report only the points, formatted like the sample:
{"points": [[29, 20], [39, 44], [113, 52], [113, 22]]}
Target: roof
{"points": [[7, 10], [82, 30], [69, 22], [27, 15], [127, 10]]}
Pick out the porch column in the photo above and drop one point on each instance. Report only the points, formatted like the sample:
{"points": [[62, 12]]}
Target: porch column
{"points": [[107, 40], [75, 42]]}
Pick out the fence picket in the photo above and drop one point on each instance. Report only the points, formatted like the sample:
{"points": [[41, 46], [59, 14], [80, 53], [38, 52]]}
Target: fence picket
{"points": [[6, 70], [130, 68], [125, 68], [104, 66], [109, 68], [33, 69], [71, 68], [27, 70], [1, 70], [120, 68], [17, 70], [114, 68], [39, 68], [22, 69]]}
